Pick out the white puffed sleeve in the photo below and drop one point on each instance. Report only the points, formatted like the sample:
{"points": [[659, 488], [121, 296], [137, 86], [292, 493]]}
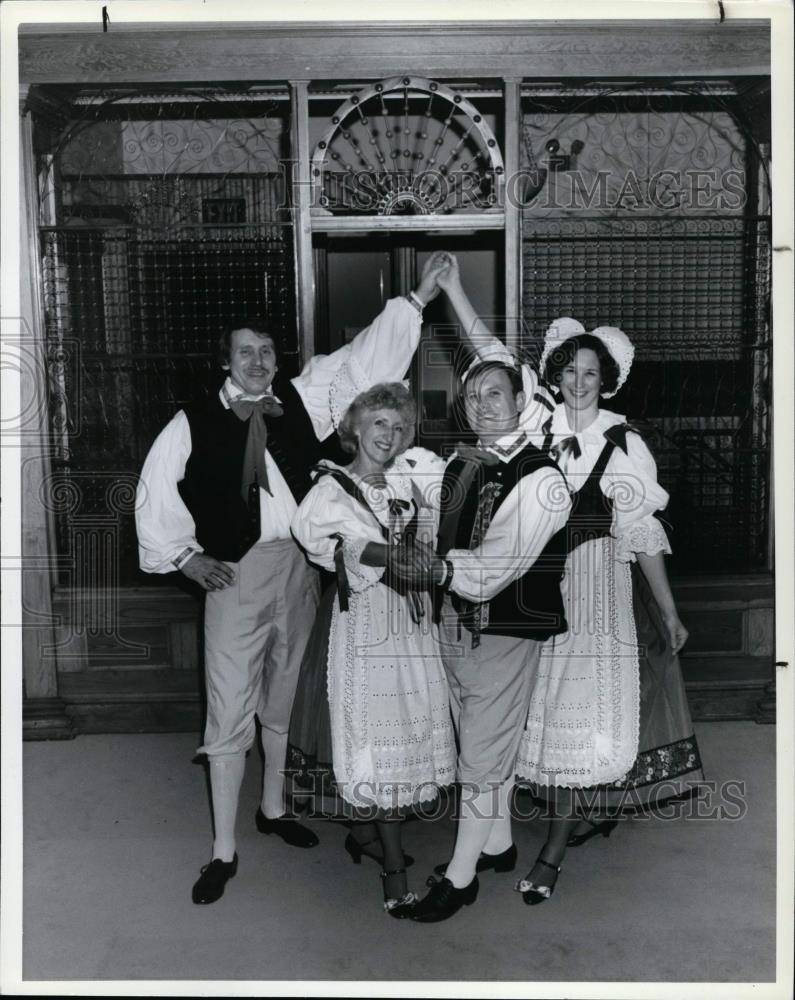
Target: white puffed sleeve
{"points": [[328, 514], [631, 480], [164, 524], [382, 352]]}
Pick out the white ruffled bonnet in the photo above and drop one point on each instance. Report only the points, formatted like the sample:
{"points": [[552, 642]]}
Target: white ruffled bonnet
{"points": [[616, 342]]}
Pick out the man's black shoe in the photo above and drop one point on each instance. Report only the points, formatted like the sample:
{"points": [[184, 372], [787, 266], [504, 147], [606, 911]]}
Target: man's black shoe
{"points": [[444, 900], [213, 878], [288, 828], [505, 862]]}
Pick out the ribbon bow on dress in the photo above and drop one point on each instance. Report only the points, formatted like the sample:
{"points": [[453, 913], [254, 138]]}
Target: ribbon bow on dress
{"points": [[255, 471], [396, 506], [567, 444]]}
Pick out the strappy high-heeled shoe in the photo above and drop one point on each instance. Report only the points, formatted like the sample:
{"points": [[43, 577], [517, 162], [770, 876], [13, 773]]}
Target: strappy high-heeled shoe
{"points": [[358, 851], [398, 907], [603, 829], [532, 893]]}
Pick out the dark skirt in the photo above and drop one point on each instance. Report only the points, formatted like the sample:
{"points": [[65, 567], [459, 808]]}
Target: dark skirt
{"points": [[309, 754], [668, 764]]}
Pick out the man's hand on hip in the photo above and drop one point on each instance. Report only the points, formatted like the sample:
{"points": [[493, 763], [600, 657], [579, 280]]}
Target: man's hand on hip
{"points": [[209, 573]]}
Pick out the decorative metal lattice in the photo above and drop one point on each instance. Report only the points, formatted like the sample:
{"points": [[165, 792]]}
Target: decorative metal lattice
{"points": [[133, 324], [407, 146], [637, 152], [692, 294], [162, 232], [657, 224]]}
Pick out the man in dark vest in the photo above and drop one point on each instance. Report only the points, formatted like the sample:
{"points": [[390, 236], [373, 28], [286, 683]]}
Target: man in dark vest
{"points": [[217, 493], [499, 563]]}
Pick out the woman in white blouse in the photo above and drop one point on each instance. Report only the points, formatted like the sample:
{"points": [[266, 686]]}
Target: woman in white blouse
{"points": [[392, 739], [583, 723]]}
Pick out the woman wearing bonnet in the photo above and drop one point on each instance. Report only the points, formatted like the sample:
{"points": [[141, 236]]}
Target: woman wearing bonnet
{"points": [[607, 686]]}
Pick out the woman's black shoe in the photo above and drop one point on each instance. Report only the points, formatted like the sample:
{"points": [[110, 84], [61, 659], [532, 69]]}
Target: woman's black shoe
{"points": [[398, 907], [213, 878], [604, 829], [505, 862], [288, 828], [532, 893], [443, 900], [357, 851]]}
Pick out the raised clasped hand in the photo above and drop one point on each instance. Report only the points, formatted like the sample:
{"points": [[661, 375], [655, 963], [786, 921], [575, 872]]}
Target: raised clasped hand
{"points": [[449, 277], [428, 287]]}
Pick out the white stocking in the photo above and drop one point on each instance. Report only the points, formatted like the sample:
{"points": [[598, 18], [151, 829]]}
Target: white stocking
{"points": [[474, 826], [274, 747], [500, 836], [226, 776]]}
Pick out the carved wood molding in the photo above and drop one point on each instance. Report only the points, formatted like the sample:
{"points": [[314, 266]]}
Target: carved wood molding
{"points": [[527, 50]]}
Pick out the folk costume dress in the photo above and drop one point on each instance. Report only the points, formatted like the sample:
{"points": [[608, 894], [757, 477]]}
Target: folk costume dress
{"points": [[584, 723], [391, 734]]}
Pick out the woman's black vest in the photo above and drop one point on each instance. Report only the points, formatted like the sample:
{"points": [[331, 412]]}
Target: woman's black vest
{"points": [[591, 514], [226, 526], [530, 607]]}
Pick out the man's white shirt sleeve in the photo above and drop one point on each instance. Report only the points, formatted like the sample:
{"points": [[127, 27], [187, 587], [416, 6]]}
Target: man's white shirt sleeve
{"points": [[536, 508], [164, 524]]}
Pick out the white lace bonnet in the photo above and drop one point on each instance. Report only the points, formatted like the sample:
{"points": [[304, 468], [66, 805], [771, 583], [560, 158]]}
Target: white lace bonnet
{"points": [[616, 341], [349, 381]]}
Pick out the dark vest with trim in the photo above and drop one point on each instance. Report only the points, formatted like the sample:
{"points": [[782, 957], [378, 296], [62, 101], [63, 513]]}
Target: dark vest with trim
{"points": [[226, 526], [530, 607]]}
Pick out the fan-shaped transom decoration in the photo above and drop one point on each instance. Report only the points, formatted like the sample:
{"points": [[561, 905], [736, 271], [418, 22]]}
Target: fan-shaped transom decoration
{"points": [[407, 146]]}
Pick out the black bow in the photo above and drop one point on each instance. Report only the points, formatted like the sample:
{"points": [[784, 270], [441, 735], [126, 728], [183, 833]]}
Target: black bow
{"points": [[567, 444], [396, 506]]}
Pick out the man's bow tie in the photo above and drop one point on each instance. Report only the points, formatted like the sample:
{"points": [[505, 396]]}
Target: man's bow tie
{"points": [[255, 469], [268, 406]]}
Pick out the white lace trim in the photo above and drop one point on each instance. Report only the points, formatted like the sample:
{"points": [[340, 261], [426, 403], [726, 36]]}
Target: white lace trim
{"points": [[360, 577], [646, 536], [349, 380]]}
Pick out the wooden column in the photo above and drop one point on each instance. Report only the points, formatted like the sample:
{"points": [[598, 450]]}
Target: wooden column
{"points": [[513, 219], [302, 222], [44, 716]]}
